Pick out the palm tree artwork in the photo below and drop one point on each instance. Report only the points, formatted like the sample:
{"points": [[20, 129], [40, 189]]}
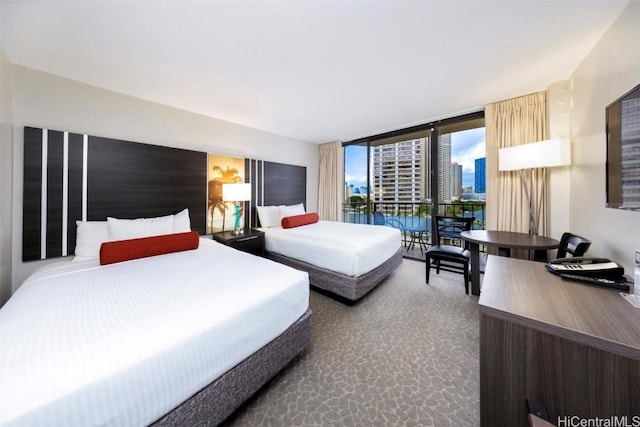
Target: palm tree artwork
{"points": [[220, 174]]}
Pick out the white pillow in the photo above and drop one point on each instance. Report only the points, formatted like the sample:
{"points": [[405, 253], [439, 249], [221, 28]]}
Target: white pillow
{"points": [[181, 222], [269, 216], [124, 229], [89, 237], [292, 210]]}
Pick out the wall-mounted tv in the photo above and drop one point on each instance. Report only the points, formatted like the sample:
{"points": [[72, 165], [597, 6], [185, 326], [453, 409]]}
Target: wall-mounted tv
{"points": [[623, 152]]}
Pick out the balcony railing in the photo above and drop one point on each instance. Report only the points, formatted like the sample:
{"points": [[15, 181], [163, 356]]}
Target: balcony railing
{"points": [[413, 215], [414, 219]]}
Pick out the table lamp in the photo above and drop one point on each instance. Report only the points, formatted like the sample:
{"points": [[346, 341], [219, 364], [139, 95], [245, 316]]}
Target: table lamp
{"points": [[541, 154], [236, 193]]}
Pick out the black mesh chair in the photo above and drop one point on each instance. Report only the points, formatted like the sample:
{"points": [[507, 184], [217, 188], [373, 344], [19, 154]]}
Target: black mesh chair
{"points": [[572, 245], [444, 254]]}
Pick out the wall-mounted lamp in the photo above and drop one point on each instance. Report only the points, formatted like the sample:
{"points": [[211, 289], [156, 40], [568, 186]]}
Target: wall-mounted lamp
{"points": [[536, 155], [236, 193]]}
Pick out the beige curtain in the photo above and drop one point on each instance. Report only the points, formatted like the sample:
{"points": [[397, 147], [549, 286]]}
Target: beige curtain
{"points": [[509, 123], [331, 181]]}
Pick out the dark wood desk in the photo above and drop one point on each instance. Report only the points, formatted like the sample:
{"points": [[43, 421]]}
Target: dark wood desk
{"points": [[574, 348], [503, 240]]}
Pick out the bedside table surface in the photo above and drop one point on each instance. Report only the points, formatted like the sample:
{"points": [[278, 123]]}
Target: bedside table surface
{"points": [[228, 236]]}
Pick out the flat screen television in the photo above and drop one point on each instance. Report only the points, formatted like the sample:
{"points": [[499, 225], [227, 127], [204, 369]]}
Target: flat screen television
{"points": [[623, 151]]}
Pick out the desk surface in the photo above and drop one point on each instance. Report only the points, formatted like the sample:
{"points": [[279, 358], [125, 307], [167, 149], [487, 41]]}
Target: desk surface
{"points": [[525, 293], [509, 239]]}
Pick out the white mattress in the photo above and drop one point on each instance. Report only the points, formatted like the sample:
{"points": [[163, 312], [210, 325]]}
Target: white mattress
{"points": [[350, 249], [125, 343]]}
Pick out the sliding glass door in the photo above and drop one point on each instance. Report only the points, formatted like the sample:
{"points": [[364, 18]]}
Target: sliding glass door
{"points": [[461, 173], [399, 178]]}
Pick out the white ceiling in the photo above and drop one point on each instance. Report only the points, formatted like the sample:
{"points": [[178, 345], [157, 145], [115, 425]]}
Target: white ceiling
{"points": [[311, 70]]}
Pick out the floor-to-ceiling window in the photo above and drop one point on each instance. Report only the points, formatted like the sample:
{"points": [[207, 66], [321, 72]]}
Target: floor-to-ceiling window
{"points": [[403, 176], [462, 173], [356, 184]]}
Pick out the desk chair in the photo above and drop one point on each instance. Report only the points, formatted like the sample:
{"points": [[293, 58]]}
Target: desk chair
{"points": [[573, 245], [449, 228]]}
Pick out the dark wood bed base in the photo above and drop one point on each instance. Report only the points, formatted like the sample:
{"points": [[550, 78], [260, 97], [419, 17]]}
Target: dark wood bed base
{"points": [[214, 403], [348, 287]]}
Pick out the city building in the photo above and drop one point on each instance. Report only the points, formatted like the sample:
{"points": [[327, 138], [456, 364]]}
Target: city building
{"points": [[399, 171], [481, 175], [444, 167], [455, 179]]}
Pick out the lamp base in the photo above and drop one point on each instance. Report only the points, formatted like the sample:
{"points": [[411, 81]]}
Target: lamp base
{"points": [[237, 230]]}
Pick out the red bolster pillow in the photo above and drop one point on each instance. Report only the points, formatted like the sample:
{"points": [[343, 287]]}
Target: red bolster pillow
{"points": [[125, 250], [298, 220]]}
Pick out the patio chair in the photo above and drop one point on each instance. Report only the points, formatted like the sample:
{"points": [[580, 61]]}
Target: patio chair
{"points": [[380, 219]]}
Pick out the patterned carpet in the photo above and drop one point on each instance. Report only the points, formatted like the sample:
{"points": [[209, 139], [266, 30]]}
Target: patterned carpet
{"points": [[405, 355]]}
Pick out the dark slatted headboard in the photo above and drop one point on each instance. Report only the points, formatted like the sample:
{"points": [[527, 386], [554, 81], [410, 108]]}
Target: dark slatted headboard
{"points": [[275, 184], [69, 177]]}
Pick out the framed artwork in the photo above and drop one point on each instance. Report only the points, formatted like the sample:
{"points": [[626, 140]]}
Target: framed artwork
{"points": [[220, 170]]}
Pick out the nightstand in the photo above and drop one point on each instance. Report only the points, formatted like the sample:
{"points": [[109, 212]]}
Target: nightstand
{"points": [[251, 240]]}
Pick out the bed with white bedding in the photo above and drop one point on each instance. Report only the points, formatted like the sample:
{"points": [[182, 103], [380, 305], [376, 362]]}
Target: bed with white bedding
{"points": [[346, 259], [178, 338]]}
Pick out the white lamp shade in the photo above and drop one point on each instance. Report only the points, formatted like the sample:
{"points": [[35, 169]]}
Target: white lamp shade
{"points": [[236, 192], [542, 154]]}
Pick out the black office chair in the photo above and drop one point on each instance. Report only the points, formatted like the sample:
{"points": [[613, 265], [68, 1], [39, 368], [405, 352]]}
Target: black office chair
{"points": [[448, 228], [572, 245]]}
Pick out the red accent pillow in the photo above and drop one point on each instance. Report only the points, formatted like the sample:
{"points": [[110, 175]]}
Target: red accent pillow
{"points": [[125, 250], [298, 220]]}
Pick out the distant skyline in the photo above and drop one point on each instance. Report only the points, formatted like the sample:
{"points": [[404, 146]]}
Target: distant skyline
{"points": [[466, 147]]}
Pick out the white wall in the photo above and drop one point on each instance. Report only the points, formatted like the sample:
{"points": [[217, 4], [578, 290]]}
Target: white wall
{"points": [[558, 103], [6, 159], [47, 101], [611, 69]]}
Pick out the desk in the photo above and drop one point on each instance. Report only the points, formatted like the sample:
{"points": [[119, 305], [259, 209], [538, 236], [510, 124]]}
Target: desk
{"points": [[572, 347], [500, 239]]}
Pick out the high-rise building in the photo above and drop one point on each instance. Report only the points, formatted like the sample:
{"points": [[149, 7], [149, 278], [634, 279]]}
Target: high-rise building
{"points": [[400, 171], [444, 167], [455, 181], [481, 175], [348, 190]]}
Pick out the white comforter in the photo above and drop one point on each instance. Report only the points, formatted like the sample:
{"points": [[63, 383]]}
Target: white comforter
{"points": [[125, 343], [350, 249]]}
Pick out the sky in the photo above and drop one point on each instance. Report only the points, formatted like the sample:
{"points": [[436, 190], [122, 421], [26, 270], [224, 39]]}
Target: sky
{"points": [[466, 147]]}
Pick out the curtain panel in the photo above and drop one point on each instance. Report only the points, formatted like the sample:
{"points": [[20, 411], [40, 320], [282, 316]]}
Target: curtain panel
{"points": [[509, 123], [331, 181]]}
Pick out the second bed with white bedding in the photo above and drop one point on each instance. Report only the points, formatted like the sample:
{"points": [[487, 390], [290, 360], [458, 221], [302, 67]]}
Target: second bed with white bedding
{"points": [[347, 260], [349, 249]]}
